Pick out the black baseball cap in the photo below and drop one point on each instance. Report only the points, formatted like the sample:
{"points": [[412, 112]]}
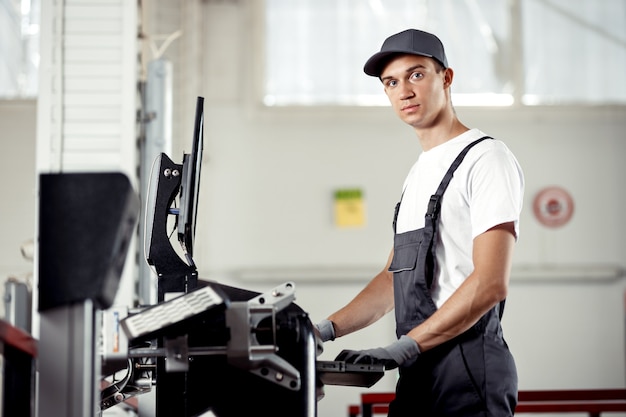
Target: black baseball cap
{"points": [[410, 41]]}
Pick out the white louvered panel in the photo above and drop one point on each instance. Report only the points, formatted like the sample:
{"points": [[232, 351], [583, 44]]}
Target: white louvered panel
{"points": [[96, 91], [83, 114], [94, 69], [92, 129], [88, 39], [106, 100], [77, 11], [82, 55], [88, 85], [105, 143], [84, 161], [95, 2], [94, 26]]}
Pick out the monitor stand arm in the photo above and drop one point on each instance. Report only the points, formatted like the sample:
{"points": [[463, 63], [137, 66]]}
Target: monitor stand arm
{"points": [[174, 275]]}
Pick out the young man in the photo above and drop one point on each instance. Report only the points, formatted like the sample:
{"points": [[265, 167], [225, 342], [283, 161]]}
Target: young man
{"points": [[447, 275]]}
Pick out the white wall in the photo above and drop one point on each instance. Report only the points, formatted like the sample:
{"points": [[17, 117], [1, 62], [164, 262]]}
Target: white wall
{"points": [[17, 170]]}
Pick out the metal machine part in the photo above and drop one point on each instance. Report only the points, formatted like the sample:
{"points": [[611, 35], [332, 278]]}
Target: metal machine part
{"points": [[245, 351], [68, 361], [137, 380], [156, 319], [113, 343]]}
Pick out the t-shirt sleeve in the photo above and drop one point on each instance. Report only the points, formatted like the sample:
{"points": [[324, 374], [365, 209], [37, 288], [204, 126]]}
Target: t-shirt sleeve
{"points": [[496, 191]]}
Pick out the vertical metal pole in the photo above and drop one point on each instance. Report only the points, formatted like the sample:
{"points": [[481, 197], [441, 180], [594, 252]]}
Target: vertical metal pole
{"points": [[157, 119], [18, 305], [69, 363]]}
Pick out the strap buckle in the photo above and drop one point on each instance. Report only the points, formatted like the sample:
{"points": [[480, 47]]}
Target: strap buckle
{"points": [[434, 205]]}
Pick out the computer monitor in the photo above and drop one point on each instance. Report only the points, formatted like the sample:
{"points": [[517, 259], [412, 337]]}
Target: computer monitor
{"points": [[190, 185]]}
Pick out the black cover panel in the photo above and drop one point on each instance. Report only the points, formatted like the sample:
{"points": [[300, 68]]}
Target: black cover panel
{"points": [[86, 222]]}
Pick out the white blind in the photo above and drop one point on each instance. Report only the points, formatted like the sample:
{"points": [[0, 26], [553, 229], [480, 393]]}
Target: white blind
{"points": [[87, 111]]}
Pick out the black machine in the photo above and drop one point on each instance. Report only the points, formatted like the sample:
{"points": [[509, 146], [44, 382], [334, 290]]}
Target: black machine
{"points": [[203, 341]]}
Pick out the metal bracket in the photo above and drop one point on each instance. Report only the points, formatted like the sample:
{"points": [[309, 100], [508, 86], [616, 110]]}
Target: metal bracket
{"points": [[176, 354], [244, 350]]}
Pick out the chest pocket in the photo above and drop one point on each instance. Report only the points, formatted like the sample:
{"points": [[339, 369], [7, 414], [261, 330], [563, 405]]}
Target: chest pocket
{"points": [[405, 257]]}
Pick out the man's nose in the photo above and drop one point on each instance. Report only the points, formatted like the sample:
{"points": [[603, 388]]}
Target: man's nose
{"points": [[406, 90]]}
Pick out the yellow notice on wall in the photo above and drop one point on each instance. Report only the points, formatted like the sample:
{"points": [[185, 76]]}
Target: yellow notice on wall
{"points": [[349, 208]]}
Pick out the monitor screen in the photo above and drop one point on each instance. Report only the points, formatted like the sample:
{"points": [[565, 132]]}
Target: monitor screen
{"points": [[190, 185]]}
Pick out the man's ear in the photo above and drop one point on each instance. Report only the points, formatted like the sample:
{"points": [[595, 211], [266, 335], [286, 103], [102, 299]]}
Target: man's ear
{"points": [[448, 75]]}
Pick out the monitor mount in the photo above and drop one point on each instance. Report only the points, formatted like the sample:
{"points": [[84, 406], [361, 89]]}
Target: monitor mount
{"points": [[174, 274]]}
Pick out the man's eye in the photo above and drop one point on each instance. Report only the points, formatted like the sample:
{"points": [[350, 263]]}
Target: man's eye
{"points": [[391, 83], [416, 75]]}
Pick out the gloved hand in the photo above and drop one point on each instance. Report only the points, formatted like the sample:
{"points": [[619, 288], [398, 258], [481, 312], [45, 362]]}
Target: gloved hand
{"points": [[325, 330], [403, 351]]}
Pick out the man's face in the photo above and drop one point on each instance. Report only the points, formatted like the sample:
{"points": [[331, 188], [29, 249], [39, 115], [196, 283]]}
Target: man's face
{"points": [[416, 90]]}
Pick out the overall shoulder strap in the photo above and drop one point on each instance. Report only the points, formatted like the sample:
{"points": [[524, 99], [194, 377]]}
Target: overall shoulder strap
{"points": [[435, 200]]}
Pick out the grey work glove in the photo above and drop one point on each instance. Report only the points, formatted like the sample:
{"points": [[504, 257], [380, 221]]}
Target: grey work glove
{"points": [[325, 330], [403, 351]]}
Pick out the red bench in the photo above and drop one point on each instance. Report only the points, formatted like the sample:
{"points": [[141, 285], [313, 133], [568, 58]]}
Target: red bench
{"points": [[355, 410], [593, 402]]}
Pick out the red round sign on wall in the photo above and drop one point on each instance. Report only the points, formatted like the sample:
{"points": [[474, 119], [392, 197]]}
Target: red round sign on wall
{"points": [[553, 206]]}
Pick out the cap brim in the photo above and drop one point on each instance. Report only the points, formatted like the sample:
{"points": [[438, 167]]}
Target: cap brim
{"points": [[376, 64]]}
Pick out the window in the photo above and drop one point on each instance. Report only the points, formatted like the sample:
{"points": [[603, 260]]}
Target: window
{"points": [[19, 48], [574, 51], [564, 52]]}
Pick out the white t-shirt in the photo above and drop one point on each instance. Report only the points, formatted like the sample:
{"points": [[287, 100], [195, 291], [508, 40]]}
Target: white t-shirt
{"points": [[485, 191]]}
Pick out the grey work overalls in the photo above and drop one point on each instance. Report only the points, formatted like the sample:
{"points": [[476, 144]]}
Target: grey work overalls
{"points": [[471, 375]]}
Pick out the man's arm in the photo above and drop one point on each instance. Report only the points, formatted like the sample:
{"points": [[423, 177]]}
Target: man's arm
{"points": [[485, 287], [369, 305]]}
